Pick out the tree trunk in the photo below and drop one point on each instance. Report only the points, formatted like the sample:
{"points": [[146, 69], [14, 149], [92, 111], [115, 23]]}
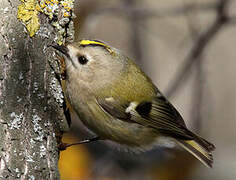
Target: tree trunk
{"points": [[31, 113]]}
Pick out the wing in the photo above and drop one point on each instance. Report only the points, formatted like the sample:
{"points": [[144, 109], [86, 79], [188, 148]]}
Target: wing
{"points": [[114, 108], [158, 114]]}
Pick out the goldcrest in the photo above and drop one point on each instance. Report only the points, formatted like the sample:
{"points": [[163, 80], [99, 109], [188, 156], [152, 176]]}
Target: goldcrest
{"points": [[116, 100]]}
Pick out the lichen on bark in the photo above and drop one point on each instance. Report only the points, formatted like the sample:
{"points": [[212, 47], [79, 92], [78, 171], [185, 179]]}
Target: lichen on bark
{"points": [[60, 13]]}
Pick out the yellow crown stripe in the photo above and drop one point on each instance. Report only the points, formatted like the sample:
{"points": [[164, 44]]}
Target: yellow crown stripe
{"points": [[91, 42], [94, 43]]}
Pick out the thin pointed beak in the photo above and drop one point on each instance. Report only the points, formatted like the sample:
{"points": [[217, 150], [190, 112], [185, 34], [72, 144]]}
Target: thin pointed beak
{"points": [[63, 49]]}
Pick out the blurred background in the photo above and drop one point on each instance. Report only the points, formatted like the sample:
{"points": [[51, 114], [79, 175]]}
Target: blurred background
{"points": [[188, 48]]}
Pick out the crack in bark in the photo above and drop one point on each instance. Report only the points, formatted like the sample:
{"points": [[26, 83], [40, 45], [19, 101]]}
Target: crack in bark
{"points": [[48, 136], [29, 106]]}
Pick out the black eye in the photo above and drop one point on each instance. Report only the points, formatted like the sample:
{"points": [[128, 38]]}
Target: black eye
{"points": [[82, 60]]}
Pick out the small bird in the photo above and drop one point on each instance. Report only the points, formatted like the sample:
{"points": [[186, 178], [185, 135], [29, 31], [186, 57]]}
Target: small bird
{"points": [[114, 98]]}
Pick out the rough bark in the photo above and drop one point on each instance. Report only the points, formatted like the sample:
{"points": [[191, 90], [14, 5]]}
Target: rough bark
{"points": [[30, 99]]}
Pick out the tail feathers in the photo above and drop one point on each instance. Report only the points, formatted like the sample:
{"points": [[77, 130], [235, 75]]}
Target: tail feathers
{"points": [[200, 148], [202, 142], [207, 145]]}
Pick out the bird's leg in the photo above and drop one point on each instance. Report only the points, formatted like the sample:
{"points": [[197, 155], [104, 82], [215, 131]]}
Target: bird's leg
{"points": [[63, 146]]}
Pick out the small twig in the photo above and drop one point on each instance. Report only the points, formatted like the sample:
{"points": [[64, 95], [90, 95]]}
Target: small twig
{"points": [[198, 48]]}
